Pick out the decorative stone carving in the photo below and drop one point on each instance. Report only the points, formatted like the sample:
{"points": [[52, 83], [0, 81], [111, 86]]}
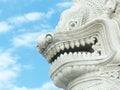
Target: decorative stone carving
{"points": [[83, 52]]}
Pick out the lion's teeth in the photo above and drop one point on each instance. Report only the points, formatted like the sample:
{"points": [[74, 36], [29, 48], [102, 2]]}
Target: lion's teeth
{"points": [[87, 40], [53, 51], [61, 55], [57, 48], [48, 57], [62, 47], [79, 55], [88, 55], [77, 43], [97, 47], [78, 49], [65, 53], [92, 40], [67, 46], [72, 44], [75, 54], [95, 54], [84, 54], [82, 42], [70, 53]]}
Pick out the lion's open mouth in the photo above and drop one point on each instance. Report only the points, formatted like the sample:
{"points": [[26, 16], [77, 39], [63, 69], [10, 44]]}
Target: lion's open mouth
{"points": [[85, 48]]}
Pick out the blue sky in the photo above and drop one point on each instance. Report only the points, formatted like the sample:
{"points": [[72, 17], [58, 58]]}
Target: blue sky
{"points": [[21, 21]]}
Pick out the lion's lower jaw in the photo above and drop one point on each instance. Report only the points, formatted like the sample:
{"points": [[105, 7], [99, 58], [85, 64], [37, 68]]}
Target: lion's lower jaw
{"points": [[68, 73]]}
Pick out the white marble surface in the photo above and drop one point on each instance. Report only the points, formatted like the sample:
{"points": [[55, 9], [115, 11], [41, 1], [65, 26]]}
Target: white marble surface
{"points": [[84, 50]]}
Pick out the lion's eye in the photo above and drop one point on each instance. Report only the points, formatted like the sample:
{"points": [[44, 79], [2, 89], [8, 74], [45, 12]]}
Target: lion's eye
{"points": [[72, 24]]}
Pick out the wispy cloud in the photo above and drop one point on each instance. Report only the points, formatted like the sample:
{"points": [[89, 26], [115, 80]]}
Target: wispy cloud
{"points": [[4, 27], [45, 86], [34, 16], [29, 17], [14, 22], [64, 5], [49, 13], [8, 69], [26, 40], [6, 59], [48, 86]]}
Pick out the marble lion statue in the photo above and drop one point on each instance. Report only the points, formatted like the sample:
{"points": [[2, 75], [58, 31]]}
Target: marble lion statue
{"points": [[84, 50]]}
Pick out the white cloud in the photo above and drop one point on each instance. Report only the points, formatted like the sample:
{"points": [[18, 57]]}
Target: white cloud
{"points": [[29, 17], [64, 4], [27, 39], [48, 86], [6, 75], [4, 27], [13, 22], [6, 60], [8, 70], [34, 16], [45, 86], [49, 13]]}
